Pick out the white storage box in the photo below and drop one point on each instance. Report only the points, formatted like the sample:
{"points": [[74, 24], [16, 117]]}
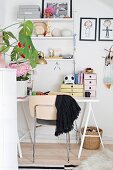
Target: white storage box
{"points": [[29, 12]]}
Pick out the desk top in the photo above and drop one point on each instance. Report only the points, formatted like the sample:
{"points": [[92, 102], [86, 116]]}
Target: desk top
{"points": [[78, 99]]}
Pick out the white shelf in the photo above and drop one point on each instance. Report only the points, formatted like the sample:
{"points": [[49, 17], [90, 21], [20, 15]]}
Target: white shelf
{"points": [[48, 19], [54, 59], [57, 38]]}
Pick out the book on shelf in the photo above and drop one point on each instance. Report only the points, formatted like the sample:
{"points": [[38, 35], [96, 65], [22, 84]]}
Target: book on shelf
{"points": [[79, 78]]}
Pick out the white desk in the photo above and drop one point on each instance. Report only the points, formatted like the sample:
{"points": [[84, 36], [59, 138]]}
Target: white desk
{"points": [[87, 104]]}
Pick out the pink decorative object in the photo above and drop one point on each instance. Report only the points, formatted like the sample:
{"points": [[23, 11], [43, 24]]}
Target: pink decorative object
{"points": [[50, 11], [22, 71]]}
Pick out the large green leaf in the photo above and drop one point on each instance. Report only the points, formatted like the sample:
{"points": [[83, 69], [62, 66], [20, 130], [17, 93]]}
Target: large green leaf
{"points": [[26, 28], [34, 58], [22, 37], [29, 25]]}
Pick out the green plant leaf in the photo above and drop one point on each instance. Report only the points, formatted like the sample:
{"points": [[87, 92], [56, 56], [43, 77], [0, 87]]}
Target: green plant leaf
{"points": [[28, 25], [5, 35], [34, 58], [22, 37], [6, 38], [11, 35], [19, 50], [4, 48]]}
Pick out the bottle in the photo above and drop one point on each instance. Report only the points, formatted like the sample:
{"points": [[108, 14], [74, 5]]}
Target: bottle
{"points": [[2, 62]]}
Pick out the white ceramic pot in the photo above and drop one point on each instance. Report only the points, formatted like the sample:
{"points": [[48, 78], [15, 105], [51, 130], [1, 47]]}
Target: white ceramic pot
{"points": [[66, 33], [21, 88], [56, 32]]}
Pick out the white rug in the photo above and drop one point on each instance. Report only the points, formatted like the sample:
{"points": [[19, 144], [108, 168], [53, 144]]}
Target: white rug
{"points": [[100, 161]]}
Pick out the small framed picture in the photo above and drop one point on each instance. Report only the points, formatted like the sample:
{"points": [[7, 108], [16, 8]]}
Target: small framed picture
{"points": [[57, 8], [105, 29], [88, 28]]}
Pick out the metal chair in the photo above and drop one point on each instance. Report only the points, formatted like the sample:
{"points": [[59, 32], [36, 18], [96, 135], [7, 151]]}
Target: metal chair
{"points": [[42, 107]]}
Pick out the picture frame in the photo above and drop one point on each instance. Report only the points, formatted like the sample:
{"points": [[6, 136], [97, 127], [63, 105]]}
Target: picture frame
{"points": [[105, 29], [62, 9], [88, 27]]}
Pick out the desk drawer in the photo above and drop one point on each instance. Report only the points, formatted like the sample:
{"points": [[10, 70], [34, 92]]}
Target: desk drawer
{"points": [[66, 90], [90, 87], [90, 76], [76, 86], [77, 94], [92, 93], [90, 82], [72, 90]]}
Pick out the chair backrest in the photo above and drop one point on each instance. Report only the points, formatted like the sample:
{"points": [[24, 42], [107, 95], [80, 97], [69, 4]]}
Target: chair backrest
{"points": [[45, 108]]}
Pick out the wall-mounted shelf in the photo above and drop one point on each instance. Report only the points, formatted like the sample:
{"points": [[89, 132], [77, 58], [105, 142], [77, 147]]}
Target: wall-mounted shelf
{"points": [[49, 19], [65, 23], [57, 38], [59, 59]]}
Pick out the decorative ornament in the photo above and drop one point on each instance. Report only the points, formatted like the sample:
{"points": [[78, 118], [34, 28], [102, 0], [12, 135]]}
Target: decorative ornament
{"points": [[108, 68]]}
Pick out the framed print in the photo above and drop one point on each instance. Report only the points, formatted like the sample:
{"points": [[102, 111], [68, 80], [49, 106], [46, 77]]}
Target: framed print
{"points": [[56, 8], [88, 28], [105, 29]]}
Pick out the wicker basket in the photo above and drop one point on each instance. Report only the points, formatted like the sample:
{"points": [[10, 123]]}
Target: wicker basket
{"points": [[92, 143]]}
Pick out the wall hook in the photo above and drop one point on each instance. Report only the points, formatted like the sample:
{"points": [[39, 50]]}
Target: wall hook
{"points": [[57, 66]]}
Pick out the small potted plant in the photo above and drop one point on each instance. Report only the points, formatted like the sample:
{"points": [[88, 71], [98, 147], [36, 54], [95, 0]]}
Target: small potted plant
{"points": [[22, 75]]}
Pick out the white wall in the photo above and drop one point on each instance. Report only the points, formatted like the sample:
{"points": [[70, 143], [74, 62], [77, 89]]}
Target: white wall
{"points": [[88, 54]]}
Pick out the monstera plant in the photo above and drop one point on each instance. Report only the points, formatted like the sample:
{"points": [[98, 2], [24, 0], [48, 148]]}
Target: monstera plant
{"points": [[21, 47]]}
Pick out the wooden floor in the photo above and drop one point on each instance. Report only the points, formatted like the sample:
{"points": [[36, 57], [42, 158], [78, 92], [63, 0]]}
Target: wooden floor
{"points": [[54, 154]]}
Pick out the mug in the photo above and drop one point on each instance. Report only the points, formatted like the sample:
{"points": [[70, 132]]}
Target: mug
{"points": [[87, 94]]}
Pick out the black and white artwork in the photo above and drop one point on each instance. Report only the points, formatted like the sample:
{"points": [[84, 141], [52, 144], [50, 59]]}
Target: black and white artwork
{"points": [[105, 29], [88, 28]]}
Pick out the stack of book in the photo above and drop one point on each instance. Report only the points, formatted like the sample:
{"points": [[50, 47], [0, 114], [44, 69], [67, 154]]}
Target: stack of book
{"points": [[79, 78]]}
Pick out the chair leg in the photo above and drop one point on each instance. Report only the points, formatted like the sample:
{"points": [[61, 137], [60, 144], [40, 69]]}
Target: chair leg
{"points": [[68, 145], [34, 141]]}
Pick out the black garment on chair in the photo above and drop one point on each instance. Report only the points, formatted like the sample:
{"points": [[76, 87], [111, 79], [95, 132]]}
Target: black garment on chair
{"points": [[67, 111]]}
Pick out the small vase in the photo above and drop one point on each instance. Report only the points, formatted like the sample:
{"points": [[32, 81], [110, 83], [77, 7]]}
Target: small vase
{"points": [[21, 89]]}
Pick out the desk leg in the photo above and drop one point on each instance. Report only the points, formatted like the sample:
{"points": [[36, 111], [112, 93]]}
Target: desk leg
{"points": [[19, 148], [85, 128], [97, 128], [28, 120], [81, 121]]}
